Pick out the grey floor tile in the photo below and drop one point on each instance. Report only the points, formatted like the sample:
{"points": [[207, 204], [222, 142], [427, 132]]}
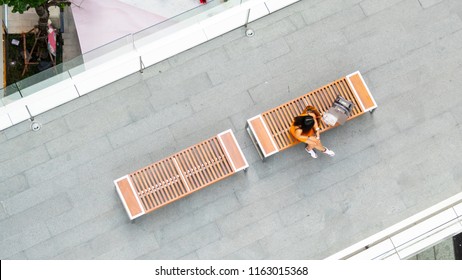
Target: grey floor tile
{"points": [[57, 195]]}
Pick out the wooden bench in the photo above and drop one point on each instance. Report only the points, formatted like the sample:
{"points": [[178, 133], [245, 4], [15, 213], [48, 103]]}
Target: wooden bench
{"points": [[269, 131], [181, 174]]}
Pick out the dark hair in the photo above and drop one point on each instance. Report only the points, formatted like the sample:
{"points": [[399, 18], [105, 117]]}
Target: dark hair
{"points": [[306, 123], [312, 109]]}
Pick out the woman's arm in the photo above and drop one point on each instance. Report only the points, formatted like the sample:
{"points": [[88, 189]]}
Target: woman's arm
{"points": [[315, 126], [297, 134]]}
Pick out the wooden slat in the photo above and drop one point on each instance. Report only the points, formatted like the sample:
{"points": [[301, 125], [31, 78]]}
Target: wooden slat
{"points": [[192, 169], [160, 184], [155, 195], [271, 124], [196, 172], [148, 192], [281, 123], [185, 166], [179, 175], [214, 159], [165, 181], [143, 187], [172, 178], [183, 179], [202, 163], [139, 189], [279, 119], [208, 161]]}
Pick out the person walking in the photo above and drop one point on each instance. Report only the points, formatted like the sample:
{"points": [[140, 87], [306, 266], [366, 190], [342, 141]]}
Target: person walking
{"points": [[305, 128]]}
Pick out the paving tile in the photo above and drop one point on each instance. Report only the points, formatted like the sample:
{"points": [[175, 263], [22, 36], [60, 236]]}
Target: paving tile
{"points": [[324, 9], [79, 214], [151, 126], [30, 197], [258, 210], [17, 129], [65, 241], [126, 240], [56, 191], [13, 186], [205, 125], [64, 109], [371, 7], [291, 234], [191, 256], [30, 236], [185, 246], [18, 256], [76, 138], [18, 224], [2, 137], [192, 221], [28, 141], [67, 161], [310, 248], [166, 95], [240, 239], [115, 88], [155, 69], [254, 252], [22, 162], [263, 53], [3, 213], [428, 3]]}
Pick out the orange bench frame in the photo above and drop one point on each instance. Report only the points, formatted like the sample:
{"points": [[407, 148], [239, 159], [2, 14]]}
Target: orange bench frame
{"points": [[269, 130], [181, 174]]}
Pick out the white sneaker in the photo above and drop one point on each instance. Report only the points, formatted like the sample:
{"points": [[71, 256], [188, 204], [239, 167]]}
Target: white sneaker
{"points": [[329, 152], [312, 153]]}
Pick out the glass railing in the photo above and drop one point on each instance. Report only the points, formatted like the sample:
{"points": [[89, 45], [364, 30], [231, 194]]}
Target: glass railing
{"points": [[113, 51], [10, 94], [101, 55]]}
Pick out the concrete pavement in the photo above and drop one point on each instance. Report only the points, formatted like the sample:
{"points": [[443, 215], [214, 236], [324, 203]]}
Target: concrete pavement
{"points": [[57, 196]]}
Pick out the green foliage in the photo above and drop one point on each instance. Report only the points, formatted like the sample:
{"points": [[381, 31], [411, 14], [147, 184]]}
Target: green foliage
{"points": [[20, 6]]}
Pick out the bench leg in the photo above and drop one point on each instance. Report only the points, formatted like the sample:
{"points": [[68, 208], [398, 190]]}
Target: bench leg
{"points": [[372, 111]]}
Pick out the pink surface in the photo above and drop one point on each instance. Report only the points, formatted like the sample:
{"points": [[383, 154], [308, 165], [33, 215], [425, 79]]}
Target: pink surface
{"points": [[99, 22]]}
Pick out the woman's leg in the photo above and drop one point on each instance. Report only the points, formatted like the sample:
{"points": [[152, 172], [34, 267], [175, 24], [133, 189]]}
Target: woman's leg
{"points": [[316, 143], [309, 145]]}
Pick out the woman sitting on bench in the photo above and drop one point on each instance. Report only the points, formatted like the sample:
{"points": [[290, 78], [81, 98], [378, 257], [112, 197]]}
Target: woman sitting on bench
{"points": [[305, 129]]}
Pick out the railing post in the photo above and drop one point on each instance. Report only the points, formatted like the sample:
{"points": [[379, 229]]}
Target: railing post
{"points": [[142, 66]]}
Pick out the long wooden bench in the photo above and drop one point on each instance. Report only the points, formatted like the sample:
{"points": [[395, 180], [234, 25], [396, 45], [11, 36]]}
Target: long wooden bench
{"points": [[269, 131], [181, 174]]}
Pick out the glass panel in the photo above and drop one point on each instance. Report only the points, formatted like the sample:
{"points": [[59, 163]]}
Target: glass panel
{"points": [[108, 52], [74, 66], [41, 81], [99, 56], [111, 50], [203, 11], [9, 94]]}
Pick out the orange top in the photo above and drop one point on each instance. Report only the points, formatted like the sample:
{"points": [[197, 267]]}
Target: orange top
{"points": [[302, 136]]}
